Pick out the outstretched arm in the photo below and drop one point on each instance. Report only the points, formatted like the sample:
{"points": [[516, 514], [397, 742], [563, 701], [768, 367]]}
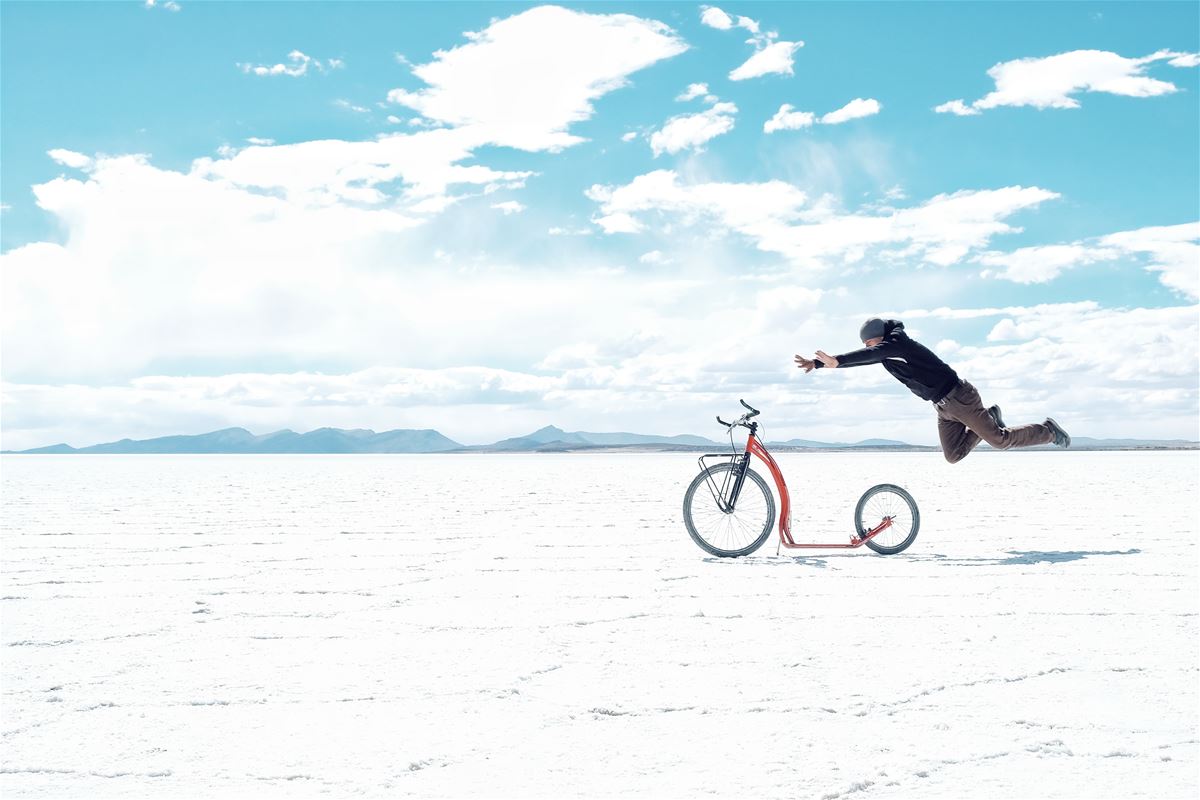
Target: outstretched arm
{"points": [[855, 358], [822, 359], [858, 358]]}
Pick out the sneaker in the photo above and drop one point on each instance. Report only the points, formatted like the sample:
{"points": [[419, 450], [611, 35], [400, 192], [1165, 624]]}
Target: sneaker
{"points": [[1061, 438], [995, 412]]}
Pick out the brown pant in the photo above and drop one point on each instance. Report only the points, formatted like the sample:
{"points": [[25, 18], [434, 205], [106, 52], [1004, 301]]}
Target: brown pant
{"points": [[963, 422]]}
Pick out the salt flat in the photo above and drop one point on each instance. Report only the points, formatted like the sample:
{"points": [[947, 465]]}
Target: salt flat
{"points": [[542, 626]]}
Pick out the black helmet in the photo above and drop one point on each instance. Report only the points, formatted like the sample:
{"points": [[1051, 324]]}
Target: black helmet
{"points": [[871, 329]]}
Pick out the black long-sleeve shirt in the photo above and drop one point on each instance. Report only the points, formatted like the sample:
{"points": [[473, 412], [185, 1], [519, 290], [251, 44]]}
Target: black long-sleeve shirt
{"points": [[909, 361]]}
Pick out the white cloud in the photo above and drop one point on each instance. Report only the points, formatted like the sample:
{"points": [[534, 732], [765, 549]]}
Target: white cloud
{"points": [[509, 207], [629, 137], [1173, 251], [691, 131], [693, 91], [776, 58], [776, 216], [771, 56], [346, 104], [1042, 263], [788, 119], [169, 5], [69, 158], [394, 120], [654, 257], [855, 109], [141, 281], [958, 108], [297, 67], [525, 79], [329, 172], [1053, 81], [714, 17], [1054, 340], [260, 142]]}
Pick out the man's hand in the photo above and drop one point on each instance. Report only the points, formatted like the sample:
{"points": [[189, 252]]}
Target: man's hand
{"points": [[804, 364], [827, 359]]}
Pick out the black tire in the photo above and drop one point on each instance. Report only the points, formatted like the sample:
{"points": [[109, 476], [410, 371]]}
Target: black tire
{"points": [[882, 501], [729, 535]]}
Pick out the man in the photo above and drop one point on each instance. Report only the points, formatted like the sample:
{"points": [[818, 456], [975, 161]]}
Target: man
{"points": [[962, 420]]}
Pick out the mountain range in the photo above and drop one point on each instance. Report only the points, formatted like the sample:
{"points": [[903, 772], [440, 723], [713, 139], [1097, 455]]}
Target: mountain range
{"points": [[548, 439]]}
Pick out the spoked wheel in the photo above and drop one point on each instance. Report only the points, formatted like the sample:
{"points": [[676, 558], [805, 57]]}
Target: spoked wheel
{"points": [[728, 534], [879, 503]]}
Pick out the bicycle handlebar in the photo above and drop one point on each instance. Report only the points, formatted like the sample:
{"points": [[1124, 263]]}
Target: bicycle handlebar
{"points": [[754, 412]]}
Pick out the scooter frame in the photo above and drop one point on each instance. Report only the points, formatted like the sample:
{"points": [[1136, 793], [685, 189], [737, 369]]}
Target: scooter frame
{"points": [[755, 447]]}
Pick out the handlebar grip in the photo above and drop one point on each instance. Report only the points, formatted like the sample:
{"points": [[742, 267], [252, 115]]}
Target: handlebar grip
{"points": [[754, 412], [723, 422]]}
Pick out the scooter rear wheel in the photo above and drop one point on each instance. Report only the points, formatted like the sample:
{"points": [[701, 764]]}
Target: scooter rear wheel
{"points": [[877, 504]]}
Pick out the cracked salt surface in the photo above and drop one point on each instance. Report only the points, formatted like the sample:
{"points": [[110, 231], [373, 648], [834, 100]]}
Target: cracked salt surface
{"points": [[542, 626]]}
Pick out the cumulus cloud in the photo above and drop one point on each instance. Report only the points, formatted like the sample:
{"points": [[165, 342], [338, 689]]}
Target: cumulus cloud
{"points": [[776, 216], [958, 108], [1042, 263], [329, 172], [1172, 251], [714, 17], [509, 207], [1053, 82], [297, 66], [855, 109], [788, 118], [69, 158], [771, 56], [346, 104], [169, 5], [691, 131], [693, 91], [776, 58], [522, 81]]}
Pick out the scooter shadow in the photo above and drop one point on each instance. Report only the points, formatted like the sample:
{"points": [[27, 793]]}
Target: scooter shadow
{"points": [[772, 560], [1015, 558], [1024, 557]]}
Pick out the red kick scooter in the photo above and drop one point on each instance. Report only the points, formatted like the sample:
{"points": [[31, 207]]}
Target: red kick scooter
{"points": [[729, 510]]}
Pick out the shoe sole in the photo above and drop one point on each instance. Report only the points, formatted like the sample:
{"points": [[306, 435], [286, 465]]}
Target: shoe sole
{"points": [[1059, 432]]}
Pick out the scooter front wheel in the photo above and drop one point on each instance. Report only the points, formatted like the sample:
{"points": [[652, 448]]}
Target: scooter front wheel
{"points": [[877, 505], [728, 534]]}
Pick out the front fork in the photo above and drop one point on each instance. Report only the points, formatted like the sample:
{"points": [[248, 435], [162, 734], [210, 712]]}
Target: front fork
{"points": [[726, 495]]}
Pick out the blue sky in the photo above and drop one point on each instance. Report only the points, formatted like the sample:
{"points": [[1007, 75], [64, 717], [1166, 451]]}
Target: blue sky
{"points": [[487, 233]]}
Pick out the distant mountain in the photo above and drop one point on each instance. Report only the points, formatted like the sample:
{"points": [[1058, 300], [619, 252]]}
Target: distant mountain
{"points": [[839, 445], [550, 439], [544, 440], [1101, 444], [240, 440]]}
